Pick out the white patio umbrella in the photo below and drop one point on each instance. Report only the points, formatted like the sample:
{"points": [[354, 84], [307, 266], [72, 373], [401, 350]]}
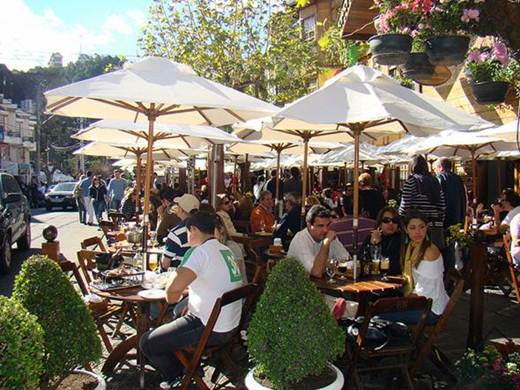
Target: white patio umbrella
{"points": [[465, 145], [507, 132], [361, 99], [346, 154], [157, 90]]}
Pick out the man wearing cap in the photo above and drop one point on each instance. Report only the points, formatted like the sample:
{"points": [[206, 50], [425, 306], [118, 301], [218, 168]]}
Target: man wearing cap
{"points": [[177, 241], [116, 190]]}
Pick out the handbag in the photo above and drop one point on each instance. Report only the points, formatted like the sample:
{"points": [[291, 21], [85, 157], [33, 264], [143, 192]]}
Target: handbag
{"points": [[380, 332]]}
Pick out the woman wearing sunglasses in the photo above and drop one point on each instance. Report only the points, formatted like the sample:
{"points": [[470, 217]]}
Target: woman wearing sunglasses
{"points": [[387, 235]]}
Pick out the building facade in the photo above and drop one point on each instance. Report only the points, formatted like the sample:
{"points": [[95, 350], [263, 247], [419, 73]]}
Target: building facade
{"points": [[17, 139]]}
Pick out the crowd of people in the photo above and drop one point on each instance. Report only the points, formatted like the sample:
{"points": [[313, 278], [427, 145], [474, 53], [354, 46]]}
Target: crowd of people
{"points": [[409, 230]]}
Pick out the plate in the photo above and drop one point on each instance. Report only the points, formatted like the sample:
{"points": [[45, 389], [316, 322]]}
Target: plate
{"points": [[153, 293]]}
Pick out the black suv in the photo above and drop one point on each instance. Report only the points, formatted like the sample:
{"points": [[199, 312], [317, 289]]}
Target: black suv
{"points": [[15, 217]]}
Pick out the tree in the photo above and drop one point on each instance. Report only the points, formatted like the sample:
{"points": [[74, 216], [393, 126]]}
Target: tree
{"points": [[253, 46]]}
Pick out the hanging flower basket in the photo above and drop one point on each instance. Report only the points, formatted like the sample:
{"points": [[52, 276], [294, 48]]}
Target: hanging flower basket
{"points": [[418, 67], [447, 50], [490, 92], [390, 49]]}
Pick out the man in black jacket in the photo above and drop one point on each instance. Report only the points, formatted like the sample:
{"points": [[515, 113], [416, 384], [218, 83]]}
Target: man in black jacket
{"points": [[454, 192], [290, 223]]}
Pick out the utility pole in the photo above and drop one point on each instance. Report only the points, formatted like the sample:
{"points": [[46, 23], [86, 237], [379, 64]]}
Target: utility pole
{"points": [[37, 130]]}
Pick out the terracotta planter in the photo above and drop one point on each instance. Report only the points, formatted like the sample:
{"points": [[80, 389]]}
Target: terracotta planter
{"points": [[490, 92], [390, 49], [418, 67], [252, 384], [447, 50]]}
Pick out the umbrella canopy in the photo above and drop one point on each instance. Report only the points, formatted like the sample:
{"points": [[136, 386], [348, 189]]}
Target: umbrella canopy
{"points": [[506, 133], [117, 151], [361, 99], [155, 89], [367, 153], [167, 136]]}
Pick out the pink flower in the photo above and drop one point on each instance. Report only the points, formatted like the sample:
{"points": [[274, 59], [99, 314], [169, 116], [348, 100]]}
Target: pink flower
{"points": [[414, 33], [474, 56], [500, 53], [470, 14]]}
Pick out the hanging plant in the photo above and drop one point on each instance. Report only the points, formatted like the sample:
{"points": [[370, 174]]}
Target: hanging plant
{"points": [[491, 72]]}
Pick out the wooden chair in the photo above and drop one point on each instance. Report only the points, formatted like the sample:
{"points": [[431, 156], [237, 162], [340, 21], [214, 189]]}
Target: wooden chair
{"points": [[513, 269], [107, 227], [401, 351], [86, 261], [116, 218], [247, 293], [93, 243], [242, 226], [432, 332]]}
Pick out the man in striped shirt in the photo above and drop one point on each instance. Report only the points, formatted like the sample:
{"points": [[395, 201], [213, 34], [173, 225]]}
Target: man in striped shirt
{"points": [[177, 241]]}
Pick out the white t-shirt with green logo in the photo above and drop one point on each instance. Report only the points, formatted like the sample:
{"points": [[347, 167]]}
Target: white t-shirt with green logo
{"points": [[217, 272]]}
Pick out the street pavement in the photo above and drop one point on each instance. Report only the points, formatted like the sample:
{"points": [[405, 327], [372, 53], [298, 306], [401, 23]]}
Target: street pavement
{"points": [[70, 234]]}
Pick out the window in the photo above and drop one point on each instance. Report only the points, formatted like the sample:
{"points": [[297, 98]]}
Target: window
{"points": [[9, 185], [309, 28]]}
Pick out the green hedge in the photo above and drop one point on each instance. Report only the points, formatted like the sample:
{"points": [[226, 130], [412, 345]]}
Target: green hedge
{"points": [[21, 347], [292, 333], [70, 338]]}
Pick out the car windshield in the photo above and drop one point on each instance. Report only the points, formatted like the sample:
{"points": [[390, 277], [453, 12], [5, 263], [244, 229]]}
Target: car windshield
{"points": [[64, 187]]}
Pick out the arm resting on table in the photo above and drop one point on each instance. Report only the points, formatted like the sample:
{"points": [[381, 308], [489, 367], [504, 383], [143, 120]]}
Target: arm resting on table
{"points": [[183, 278]]}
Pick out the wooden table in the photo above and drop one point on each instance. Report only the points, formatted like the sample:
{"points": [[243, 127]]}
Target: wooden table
{"points": [[361, 289], [143, 323]]}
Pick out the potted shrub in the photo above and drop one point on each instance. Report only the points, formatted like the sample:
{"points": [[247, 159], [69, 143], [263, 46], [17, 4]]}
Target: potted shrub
{"points": [[396, 20], [488, 369], [490, 71], [70, 337], [292, 337], [448, 24], [21, 347]]}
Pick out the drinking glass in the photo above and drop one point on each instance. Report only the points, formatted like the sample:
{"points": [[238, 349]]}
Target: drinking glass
{"points": [[152, 262], [262, 225], [384, 266], [342, 266], [331, 269]]}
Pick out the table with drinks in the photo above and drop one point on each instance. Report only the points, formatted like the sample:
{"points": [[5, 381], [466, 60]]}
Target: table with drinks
{"points": [[358, 280]]}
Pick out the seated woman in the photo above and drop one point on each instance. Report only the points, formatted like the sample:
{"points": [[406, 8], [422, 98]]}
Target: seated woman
{"points": [[128, 204], [387, 235], [423, 271], [224, 209]]}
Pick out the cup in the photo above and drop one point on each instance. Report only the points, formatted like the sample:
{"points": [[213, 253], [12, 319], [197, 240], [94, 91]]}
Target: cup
{"points": [[385, 264], [375, 266], [277, 242]]}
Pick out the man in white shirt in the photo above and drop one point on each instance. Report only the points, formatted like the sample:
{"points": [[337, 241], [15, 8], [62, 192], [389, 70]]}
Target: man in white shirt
{"points": [[208, 270], [316, 244]]}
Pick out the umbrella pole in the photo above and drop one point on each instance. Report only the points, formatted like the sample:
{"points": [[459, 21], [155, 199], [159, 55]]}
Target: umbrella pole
{"points": [[278, 152], [474, 178], [138, 185], [149, 165], [305, 169], [355, 221]]}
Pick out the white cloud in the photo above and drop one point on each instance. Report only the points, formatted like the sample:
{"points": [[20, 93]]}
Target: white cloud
{"points": [[27, 39]]}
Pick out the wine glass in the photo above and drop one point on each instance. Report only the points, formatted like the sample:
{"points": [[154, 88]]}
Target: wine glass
{"points": [[262, 226], [331, 269]]}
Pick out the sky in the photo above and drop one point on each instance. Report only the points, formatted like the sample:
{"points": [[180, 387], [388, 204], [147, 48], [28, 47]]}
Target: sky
{"points": [[31, 30]]}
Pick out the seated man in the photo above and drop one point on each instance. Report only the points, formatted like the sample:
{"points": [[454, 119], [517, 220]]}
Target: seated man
{"points": [[317, 243], [177, 240], [208, 270], [262, 217], [290, 223], [167, 214]]}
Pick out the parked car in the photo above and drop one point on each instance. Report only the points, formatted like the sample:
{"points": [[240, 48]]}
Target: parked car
{"points": [[15, 220], [62, 195]]}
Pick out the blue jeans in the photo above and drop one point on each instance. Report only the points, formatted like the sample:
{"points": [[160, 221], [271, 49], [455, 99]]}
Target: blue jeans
{"points": [[115, 204], [99, 207], [410, 317], [159, 345]]}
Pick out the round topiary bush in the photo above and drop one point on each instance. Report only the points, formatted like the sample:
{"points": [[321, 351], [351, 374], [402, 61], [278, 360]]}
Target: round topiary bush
{"points": [[292, 334], [21, 347], [70, 338]]}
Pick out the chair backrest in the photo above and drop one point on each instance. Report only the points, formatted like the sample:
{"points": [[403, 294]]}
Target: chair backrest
{"points": [[107, 226], [86, 263], [93, 243], [441, 323], [247, 293], [69, 266], [116, 217], [242, 226], [396, 304]]}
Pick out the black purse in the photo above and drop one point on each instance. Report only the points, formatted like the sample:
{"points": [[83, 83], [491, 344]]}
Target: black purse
{"points": [[380, 332], [107, 261]]}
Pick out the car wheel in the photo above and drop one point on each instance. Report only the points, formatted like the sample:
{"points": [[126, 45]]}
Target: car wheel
{"points": [[5, 255], [24, 242]]}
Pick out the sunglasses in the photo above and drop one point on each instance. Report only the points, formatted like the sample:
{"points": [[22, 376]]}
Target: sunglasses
{"points": [[390, 220]]}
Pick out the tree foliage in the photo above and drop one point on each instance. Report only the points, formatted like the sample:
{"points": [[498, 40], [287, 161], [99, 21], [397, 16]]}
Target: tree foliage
{"points": [[253, 46]]}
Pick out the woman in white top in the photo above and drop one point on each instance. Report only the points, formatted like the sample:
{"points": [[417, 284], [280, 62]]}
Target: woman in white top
{"points": [[423, 270]]}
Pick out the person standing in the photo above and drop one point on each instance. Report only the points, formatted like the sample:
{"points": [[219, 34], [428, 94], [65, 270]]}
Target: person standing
{"points": [[116, 190], [370, 199], [453, 190], [87, 201], [294, 183], [98, 192], [79, 201], [423, 192]]}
